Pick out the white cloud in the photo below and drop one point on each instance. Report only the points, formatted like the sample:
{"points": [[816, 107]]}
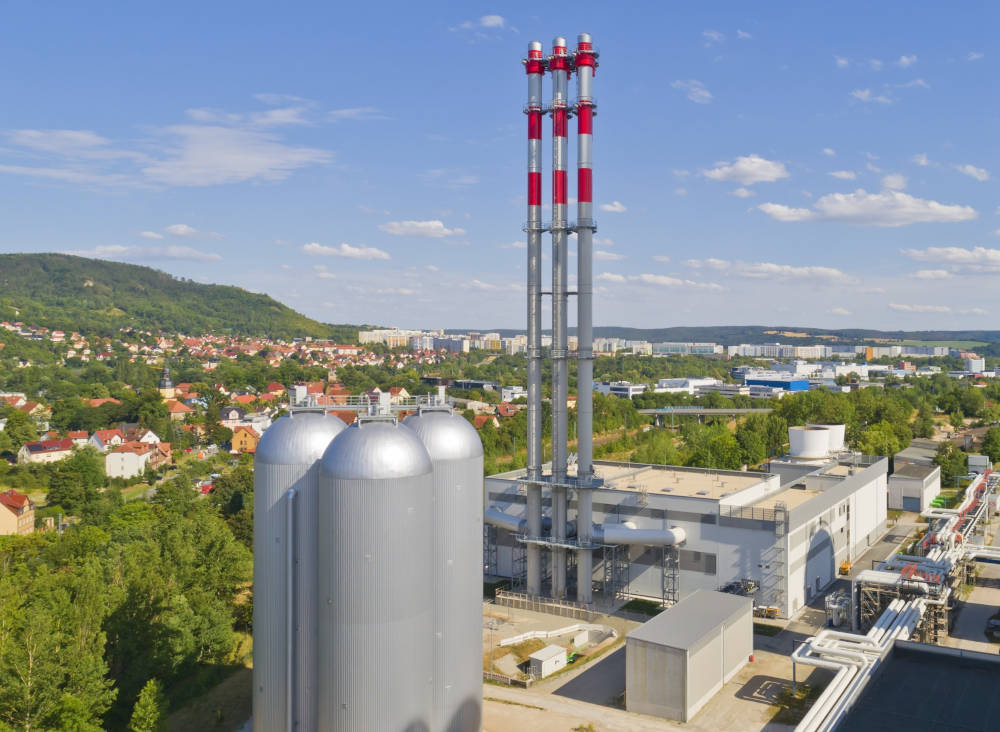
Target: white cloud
{"points": [[921, 160], [515, 245], [906, 61], [743, 35], [974, 311], [975, 259], [603, 242], [747, 170], [680, 191], [973, 172], [173, 252], [432, 268], [492, 21], [894, 181], [81, 144], [829, 151], [602, 255], [150, 235], [974, 56], [433, 229], [696, 91], [885, 209], [875, 64], [614, 207], [710, 263], [356, 113], [610, 277], [712, 36], [183, 230], [667, 281], [681, 173], [344, 250], [322, 272], [915, 83], [931, 274], [661, 258], [203, 155], [840, 311], [844, 174], [743, 193], [842, 63], [865, 95], [919, 308]]}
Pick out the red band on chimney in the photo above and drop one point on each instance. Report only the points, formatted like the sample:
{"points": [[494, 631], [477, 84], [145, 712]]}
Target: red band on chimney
{"points": [[584, 185], [559, 186], [534, 189], [559, 123], [585, 120]]}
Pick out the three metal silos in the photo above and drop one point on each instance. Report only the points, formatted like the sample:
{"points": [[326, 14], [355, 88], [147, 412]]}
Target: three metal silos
{"points": [[395, 639]]}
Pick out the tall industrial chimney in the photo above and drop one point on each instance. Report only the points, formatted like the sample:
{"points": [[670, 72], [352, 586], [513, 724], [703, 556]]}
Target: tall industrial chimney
{"points": [[559, 67], [534, 66], [585, 61]]}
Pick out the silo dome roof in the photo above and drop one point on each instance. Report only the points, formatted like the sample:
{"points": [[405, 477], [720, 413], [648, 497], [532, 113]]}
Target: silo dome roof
{"points": [[375, 450], [447, 436], [298, 438]]}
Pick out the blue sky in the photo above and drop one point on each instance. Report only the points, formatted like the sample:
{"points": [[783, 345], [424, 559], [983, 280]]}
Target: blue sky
{"points": [[364, 162]]}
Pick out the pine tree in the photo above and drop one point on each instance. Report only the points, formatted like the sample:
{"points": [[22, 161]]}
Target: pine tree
{"points": [[150, 709]]}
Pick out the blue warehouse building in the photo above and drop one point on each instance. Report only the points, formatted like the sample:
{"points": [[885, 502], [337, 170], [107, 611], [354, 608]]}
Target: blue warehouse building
{"points": [[786, 384]]}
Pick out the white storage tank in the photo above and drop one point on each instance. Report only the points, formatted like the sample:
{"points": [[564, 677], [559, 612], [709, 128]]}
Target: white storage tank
{"points": [[456, 453], [835, 435], [284, 684], [809, 443], [375, 579]]}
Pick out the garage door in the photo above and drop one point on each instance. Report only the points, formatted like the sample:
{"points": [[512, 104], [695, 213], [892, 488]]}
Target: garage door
{"points": [[911, 504]]}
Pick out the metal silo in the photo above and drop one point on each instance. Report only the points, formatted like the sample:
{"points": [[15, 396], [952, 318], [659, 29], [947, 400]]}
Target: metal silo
{"points": [[456, 453], [375, 579], [286, 484]]}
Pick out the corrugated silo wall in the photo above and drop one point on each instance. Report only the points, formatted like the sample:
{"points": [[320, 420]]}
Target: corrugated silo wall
{"points": [[271, 601], [458, 594], [375, 604]]}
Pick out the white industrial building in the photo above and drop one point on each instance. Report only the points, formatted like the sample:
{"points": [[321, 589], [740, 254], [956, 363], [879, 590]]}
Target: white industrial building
{"points": [[546, 661], [912, 487], [781, 534], [675, 662]]}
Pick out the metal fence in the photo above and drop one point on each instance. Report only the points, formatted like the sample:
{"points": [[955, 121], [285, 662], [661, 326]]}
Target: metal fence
{"points": [[549, 606]]}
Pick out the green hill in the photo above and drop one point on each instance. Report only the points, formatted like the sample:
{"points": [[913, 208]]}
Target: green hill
{"points": [[95, 296]]}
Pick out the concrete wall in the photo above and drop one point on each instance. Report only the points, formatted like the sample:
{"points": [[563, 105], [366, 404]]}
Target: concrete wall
{"points": [[923, 489], [655, 679], [705, 671]]}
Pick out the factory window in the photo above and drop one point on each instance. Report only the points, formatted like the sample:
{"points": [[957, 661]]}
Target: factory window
{"points": [[696, 561]]}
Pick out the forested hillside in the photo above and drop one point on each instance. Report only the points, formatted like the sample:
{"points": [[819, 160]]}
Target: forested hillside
{"points": [[93, 296]]}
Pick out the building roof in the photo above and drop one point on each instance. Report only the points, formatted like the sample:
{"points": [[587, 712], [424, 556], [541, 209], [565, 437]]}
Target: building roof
{"points": [[249, 430], [923, 688], [673, 481], [106, 436], [914, 470], [42, 446], [548, 652], [175, 407], [104, 400], [14, 501], [685, 625], [139, 448]]}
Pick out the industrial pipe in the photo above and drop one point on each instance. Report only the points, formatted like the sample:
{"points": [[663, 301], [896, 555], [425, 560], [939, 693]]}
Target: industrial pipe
{"points": [[620, 534]]}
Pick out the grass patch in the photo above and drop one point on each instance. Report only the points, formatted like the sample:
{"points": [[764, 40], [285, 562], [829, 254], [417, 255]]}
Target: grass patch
{"points": [[643, 607], [134, 491], [512, 703], [894, 514], [793, 707], [588, 727], [521, 652], [766, 629]]}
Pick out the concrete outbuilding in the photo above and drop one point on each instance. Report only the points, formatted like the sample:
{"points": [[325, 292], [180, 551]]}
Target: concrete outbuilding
{"points": [[679, 659], [547, 661], [912, 487]]}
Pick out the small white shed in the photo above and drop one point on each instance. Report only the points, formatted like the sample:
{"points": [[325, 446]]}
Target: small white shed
{"points": [[547, 661]]}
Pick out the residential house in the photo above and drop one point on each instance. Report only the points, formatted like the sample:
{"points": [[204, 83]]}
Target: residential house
{"points": [[79, 437], [104, 440], [135, 433], [94, 403], [178, 410], [506, 409], [45, 451], [398, 394], [17, 514], [245, 439], [480, 420], [128, 460], [231, 417]]}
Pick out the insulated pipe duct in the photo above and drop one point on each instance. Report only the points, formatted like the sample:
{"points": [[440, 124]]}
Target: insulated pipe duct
{"points": [[534, 66], [559, 66], [513, 524], [620, 534], [585, 61]]}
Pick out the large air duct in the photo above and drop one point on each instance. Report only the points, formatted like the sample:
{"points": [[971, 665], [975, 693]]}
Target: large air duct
{"points": [[534, 66], [559, 67]]}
